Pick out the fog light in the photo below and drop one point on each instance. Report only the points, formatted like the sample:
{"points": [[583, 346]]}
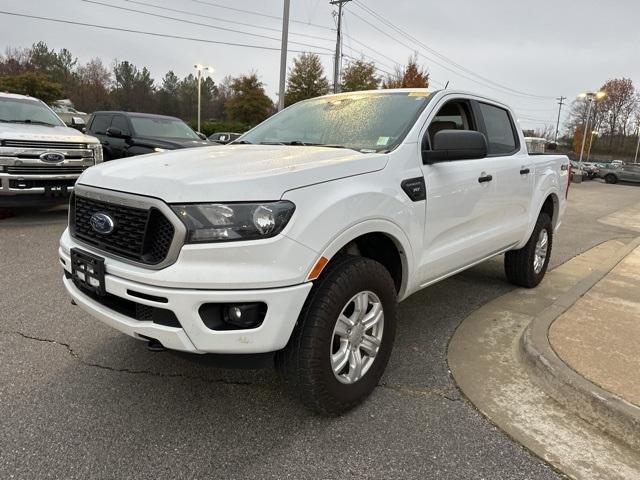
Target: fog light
{"points": [[247, 315], [233, 316]]}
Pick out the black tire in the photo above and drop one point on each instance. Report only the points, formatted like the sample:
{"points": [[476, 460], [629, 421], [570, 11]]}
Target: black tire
{"points": [[519, 264], [304, 364], [610, 178]]}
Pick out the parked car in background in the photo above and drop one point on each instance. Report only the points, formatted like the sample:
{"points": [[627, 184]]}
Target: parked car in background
{"points": [[302, 238], [626, 173], [224, 137], [69, 115], [589, 170], [617, 163], [126, 134], [535, 145], [40, 157]]}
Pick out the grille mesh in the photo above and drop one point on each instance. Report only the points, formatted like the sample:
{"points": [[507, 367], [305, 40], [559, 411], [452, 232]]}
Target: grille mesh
{"points": [[37, 144], [143, 235]]}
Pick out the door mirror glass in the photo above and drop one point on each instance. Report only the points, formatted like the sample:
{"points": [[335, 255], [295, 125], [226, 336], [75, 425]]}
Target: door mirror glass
{"points": [[449, 145]]}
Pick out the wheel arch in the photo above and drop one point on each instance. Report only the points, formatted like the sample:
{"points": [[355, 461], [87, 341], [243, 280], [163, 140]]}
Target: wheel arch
{"points": [[380, 240]]}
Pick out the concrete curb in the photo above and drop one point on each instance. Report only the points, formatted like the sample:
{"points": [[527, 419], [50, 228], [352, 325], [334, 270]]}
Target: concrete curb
{"points": [[592, 403]]}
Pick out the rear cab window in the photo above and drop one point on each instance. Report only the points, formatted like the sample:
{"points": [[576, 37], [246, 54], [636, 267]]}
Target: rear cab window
{"points": [[500, 130]]}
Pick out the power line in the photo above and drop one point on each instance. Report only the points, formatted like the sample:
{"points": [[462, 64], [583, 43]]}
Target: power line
{"points": [[252, 25], [487, 82], [152, 34], [260, 14], [208, 25]]}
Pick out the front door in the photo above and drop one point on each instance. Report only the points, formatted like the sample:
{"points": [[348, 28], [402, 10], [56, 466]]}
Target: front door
{"points": [[460, 202]]}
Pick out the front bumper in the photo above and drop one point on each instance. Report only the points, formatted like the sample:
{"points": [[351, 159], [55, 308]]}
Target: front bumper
{"points": [[283, 308]]}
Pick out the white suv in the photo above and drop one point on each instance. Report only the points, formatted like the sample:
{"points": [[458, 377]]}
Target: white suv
{"points": [[301, 237]]}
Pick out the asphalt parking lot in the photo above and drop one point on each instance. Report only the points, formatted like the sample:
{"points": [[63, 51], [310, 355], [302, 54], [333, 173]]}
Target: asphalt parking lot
{"points": [[79, 400]]}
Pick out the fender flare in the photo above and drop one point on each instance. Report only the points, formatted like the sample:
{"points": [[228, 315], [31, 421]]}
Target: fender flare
{"points": [[387, 227], [553, 192]]}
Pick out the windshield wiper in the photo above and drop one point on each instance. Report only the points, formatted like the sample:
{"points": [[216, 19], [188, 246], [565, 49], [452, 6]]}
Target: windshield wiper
{"points": [[240, 142]]}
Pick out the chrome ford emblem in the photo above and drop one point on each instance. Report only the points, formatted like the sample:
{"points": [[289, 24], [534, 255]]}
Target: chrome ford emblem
{"points": [[102, 223], [52, 157]]}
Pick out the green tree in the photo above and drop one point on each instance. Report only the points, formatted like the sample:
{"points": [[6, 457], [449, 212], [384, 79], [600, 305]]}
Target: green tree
{"points": [[59, 66], [359, 75], [306, 79], [248, 104], [133, 88], [167, 95], [411, 76], [32, 83]]}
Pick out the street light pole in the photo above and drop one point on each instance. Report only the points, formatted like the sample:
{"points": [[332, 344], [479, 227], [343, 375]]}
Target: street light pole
{"points": [[283, 53], [635, 160], [593, 134], [200, 69], [591, 99]]}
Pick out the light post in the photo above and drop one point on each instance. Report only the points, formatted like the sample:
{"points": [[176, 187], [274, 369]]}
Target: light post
{"points": [[635, 160], [591, 97], [200, 69], [593, 134]]}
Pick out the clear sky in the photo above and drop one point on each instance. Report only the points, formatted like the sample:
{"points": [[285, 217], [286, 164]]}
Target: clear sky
{"points": [[542, 49]]}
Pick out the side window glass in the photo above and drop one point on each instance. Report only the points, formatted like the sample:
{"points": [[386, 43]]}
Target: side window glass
{"points": [[120, 123], [500, 134], [452, 116], [100, 124]]}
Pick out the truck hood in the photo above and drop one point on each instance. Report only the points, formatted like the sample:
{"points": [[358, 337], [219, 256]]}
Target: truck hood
{"points": [[230, 173], [171, 143], [44, 133]]}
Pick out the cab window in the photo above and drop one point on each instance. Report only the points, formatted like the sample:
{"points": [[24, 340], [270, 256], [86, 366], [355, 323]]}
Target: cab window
{"points": [[501, 136], [100, 124], [454, 115]]}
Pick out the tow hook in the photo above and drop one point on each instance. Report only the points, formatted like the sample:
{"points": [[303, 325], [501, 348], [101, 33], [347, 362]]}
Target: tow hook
{"points": [[155, 346]]}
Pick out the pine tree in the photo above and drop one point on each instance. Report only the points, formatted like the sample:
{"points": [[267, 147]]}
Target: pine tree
{"points": [[359, 75], [306, 79]]}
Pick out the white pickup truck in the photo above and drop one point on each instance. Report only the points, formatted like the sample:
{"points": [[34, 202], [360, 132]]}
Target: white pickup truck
{"points": [[40, 157], [301, 237]]}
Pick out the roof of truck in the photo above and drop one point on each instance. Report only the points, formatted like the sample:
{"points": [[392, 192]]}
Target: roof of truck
{"points": [[131, 114], [17, 96]]}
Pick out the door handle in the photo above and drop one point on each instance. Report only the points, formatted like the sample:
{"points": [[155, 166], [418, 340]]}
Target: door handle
{"points": [[485, 178], [524, 171]]}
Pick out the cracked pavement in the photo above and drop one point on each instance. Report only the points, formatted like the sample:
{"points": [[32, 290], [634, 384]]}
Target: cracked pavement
{"points": [[79, 400]]}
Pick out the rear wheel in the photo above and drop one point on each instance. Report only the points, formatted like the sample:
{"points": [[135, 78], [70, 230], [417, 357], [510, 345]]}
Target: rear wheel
{"points": [[527, 266], [610, 178], [344, 336]]}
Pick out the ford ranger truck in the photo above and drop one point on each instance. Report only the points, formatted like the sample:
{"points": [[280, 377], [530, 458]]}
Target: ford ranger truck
{"points": [[301, 237], [40, 157]]}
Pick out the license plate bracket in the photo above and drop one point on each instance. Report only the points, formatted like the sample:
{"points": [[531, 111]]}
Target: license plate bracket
{"points": [[87, 271]]}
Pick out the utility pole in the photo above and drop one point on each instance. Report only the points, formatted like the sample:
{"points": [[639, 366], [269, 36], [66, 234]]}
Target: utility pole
{"points": [[635, 160], [337, 60], [283, 53], [560, 103]]}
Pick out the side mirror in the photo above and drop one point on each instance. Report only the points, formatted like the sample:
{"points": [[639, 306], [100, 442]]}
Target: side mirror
{"points": [[116, 133], [449, 145], [78, 123], [201, 135]]}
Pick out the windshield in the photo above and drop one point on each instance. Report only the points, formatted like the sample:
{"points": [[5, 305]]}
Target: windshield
{"points": [[163, 127], [25, 110], [366, 122]]}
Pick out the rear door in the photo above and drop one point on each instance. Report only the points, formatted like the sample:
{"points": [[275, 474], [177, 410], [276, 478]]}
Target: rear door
{"points": [[512, 170]]}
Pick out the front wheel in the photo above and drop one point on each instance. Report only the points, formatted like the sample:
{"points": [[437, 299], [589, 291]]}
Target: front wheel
{"points": [[526, 267], [610, 178], [344, 336]]}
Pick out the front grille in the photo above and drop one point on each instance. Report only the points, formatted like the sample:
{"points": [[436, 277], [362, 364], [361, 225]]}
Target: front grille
{"points": [[44, 170], [39, 144], [142, 235]]}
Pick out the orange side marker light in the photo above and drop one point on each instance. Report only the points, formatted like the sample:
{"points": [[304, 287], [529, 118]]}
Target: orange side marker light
{"points": [[317, 268]]}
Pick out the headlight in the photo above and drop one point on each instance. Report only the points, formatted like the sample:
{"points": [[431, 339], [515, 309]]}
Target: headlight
{"points": [[97, 152], [224, 222], [158, 149]]}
